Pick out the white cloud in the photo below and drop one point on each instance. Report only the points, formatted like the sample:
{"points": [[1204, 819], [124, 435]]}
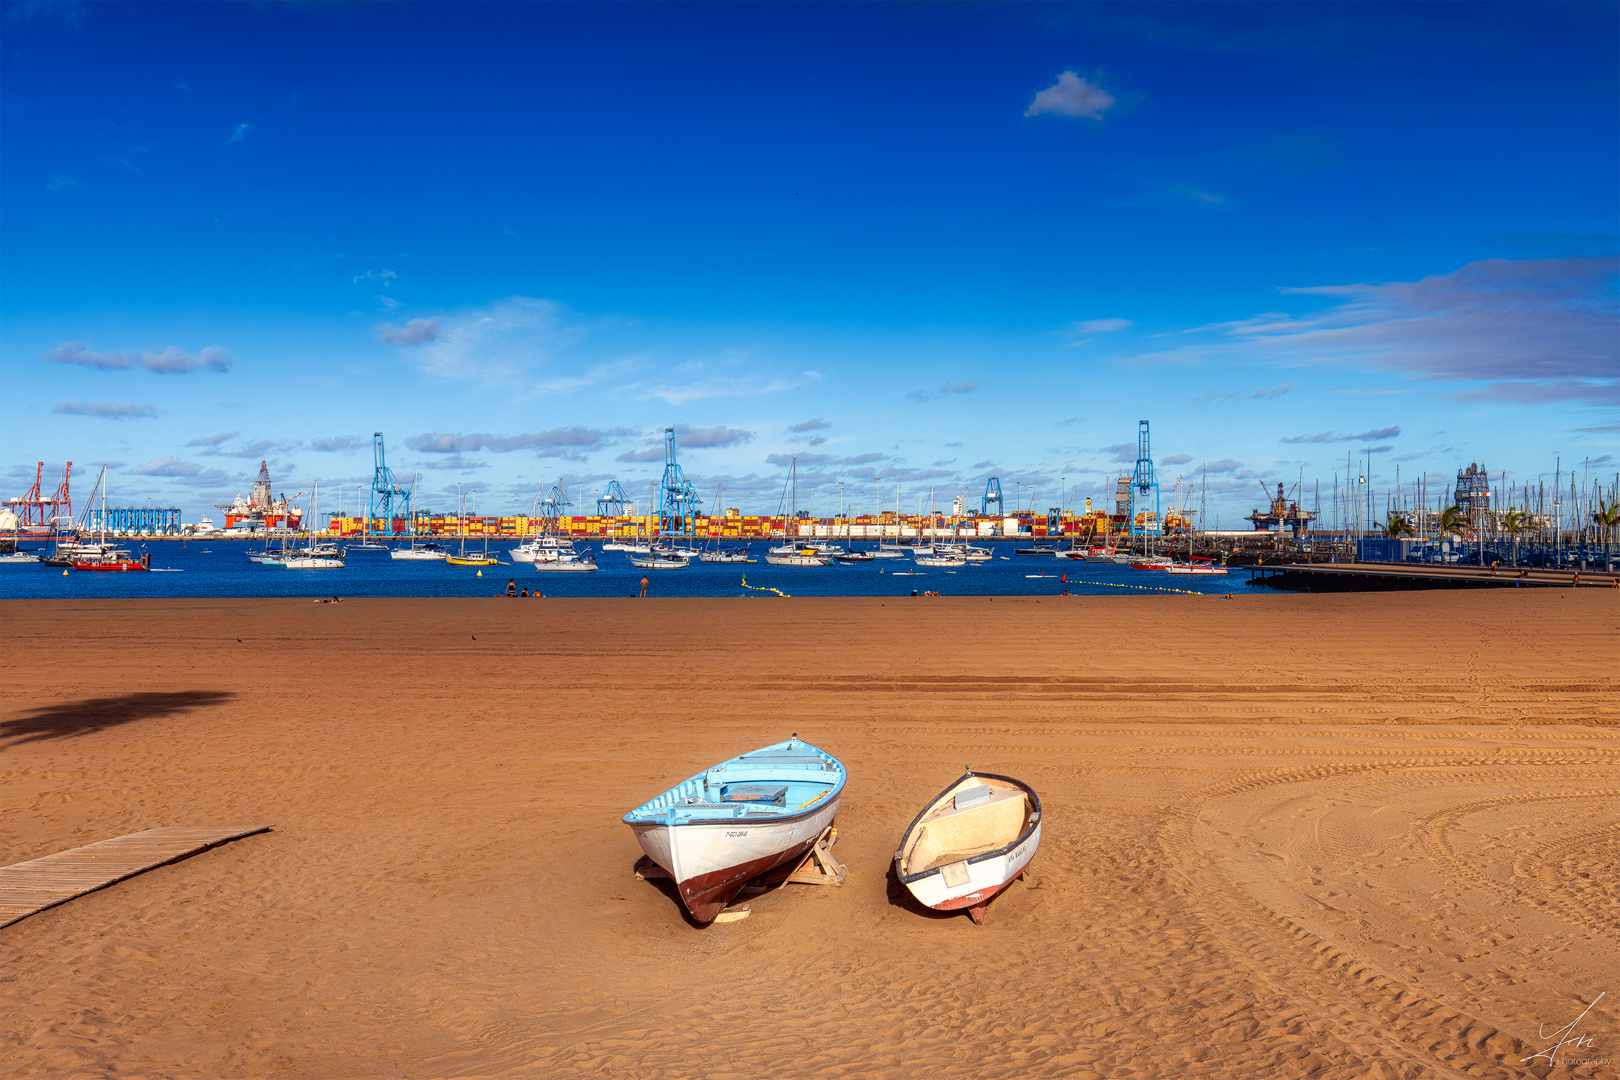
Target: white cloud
{"points": [[105, 410], [1102, 326], [1271, 393], [239, 133], [1072, 95], [60, 182], [414, 332], [500, 343], [1527, 331], [171, 361], [948, 388]]}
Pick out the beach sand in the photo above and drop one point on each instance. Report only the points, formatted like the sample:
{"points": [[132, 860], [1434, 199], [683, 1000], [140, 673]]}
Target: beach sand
{"points": [[1327, 836]]}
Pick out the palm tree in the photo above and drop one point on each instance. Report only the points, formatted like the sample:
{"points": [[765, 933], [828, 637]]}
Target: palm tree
{"points": [[1396, 527], [1453, 521], [1608, 516], [1515, 522]]}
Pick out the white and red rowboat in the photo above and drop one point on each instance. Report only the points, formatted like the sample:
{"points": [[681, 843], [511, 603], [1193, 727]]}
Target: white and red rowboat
{"points": [[970, 842], [734, 821]]}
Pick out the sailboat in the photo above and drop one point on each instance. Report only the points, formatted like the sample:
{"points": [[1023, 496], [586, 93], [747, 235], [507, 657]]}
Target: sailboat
{"points": [[325, 557], [108, 557], [461, 558], [794, 552]]}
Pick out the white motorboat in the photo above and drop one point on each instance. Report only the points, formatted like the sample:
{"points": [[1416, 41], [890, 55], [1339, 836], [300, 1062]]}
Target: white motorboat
{"points": [[14, 557], [801, 557], [1197, 569], [941, 560], [569, 563], [543, 549], [732, 555], [426, 552], [750, 814], [658, 562], [312, 562], [970, 842], [634, 547]]}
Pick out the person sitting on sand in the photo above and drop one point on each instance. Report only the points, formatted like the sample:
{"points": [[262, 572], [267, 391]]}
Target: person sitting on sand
{"points": [[511, 587], [523, 594]]}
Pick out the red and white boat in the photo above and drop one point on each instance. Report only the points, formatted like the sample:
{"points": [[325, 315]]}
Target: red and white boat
{"points": [[970, 842], [718, 830], [115, 560]]}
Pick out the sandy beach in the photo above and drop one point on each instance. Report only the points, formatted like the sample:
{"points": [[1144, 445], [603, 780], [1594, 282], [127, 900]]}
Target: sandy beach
{"points": [[1329, 836]]}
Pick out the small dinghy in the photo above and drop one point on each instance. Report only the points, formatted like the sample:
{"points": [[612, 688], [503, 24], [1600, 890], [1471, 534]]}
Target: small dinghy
{"points": [[739, 819], [970, 842]]}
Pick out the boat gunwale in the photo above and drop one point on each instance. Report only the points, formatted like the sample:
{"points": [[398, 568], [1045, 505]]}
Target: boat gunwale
{"points": [[834, 791], [1034, 823]]}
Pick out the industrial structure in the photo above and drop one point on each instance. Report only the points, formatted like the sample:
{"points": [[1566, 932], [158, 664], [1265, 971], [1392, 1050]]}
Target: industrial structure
{"points": [[681, 501], [1473, 493], [38, 513], [262, 510], [1282, 513], [1144, 482], [990, 505], [135, 520], [385, 494], [556, 503], [614, 503]]}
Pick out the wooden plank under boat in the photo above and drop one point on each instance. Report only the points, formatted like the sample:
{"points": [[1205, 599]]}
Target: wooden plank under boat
{"points": [[734, 821], [970, 842]]}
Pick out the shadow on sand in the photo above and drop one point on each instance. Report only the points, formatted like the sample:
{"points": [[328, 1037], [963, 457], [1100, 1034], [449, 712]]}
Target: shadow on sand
{"points": [[97, 714]]}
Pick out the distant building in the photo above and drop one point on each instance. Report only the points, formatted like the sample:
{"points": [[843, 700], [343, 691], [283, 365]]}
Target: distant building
{"points": [[1473, 492]]}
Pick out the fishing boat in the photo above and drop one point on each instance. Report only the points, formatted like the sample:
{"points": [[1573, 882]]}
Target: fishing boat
{"points": [[569, 563], [970, 842], [750, 814], [658, 562]]}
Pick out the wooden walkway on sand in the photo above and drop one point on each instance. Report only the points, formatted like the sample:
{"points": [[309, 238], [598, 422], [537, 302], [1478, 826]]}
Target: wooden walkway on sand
{"points": [[27, 887]]}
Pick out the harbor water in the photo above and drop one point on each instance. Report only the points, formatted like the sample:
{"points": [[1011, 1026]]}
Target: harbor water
{"points": [[221, 568]]}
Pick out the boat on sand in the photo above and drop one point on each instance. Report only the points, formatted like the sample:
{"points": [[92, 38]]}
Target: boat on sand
{"points": [[718, 830], [970, 842]]}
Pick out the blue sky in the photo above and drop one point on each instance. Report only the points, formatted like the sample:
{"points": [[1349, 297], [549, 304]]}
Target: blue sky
{"points": [[910, 244]]}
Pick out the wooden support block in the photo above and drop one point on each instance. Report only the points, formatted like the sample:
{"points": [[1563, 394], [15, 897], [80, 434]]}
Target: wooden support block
{"points": [[645, 868], [820, 866]]}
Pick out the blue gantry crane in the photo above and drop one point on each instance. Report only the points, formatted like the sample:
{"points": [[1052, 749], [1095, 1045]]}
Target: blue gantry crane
{"points": [[681, 502], [386, 495], [613, 503], [555, 504], [992, 498], [1144, 483]]}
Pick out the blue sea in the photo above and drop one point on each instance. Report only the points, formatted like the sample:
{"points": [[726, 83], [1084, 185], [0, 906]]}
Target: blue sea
{"points": [[215, 568]]}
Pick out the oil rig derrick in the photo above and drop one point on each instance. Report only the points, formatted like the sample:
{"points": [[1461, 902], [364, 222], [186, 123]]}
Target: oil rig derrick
{"points": [[681, 502], [613, 503], [1281, 513], [42, 511], [1144, 482], [991, 503], [384, 491]]}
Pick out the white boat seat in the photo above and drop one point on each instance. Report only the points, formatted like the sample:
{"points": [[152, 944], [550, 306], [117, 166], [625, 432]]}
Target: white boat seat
{"points": [[952, 835]]}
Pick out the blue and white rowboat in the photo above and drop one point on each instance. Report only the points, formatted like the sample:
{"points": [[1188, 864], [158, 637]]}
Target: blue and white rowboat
{"points": [[736, 820]]}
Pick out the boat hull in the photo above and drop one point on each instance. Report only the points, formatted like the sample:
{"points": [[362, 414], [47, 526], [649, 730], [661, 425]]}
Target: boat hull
{"points": [[972, 882], [710, 864]]}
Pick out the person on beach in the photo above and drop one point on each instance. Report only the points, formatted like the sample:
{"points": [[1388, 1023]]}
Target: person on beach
{"points": [[643, 585], [511, 587], [523, 594]]}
